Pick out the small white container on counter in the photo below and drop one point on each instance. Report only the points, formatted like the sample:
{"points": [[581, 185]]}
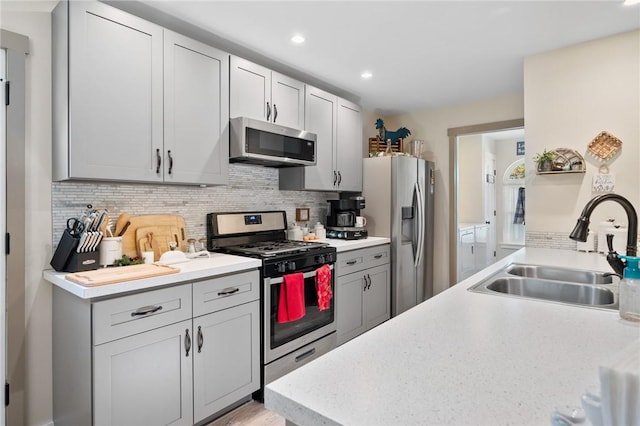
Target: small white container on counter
{"points": [[110, 250], [320, 231]]}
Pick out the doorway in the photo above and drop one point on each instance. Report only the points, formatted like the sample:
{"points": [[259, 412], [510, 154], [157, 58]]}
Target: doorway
{"points": [[476, 200]]}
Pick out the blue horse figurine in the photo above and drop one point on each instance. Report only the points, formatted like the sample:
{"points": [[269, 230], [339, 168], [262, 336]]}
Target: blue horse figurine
{"points": [[401, 133]]}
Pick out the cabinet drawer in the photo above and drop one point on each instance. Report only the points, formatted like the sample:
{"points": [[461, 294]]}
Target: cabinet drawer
{"points": [[358, 260], [128, 315], [224, 292]]}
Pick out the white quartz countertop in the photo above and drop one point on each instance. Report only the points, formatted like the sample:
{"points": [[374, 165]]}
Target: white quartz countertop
{"points": [[462, 358], [346, 245], [194, 269]]}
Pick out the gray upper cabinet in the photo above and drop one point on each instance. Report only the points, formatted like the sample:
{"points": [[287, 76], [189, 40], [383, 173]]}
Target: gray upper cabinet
{"points": [[338, 126], [262, 94], [349, 146], [126, 91], [196, 111]]}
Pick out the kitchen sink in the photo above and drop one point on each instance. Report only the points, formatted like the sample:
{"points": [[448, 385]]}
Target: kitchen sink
{"points": [[561, 285], [560, 274]]}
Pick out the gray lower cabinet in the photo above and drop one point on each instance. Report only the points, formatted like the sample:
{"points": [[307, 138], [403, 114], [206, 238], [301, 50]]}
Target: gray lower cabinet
{"points": [[363, 298], [172, 356]]}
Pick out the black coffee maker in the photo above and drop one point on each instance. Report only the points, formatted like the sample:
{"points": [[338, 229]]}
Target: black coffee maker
{"points": [[341, 221]]}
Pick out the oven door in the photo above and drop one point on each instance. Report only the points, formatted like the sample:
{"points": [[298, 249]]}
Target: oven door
{"points": [[283, 338]]}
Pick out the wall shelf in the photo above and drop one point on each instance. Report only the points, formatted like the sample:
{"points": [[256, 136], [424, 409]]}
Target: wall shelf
{"points": [[566, 161]]}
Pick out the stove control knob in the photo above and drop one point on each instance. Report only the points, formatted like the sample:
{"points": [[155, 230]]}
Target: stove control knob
{"points": [[320, 259], [282, 267], [291, 266]]}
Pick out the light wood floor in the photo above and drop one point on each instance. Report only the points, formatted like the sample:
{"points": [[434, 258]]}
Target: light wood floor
{"points": [[252, 413]]}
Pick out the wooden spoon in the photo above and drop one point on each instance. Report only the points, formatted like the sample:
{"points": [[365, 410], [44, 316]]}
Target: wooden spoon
{"points": [[122, 220]]}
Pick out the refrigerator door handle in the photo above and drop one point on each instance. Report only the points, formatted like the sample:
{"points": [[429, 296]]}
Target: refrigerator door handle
{"points": [[420, 219]]}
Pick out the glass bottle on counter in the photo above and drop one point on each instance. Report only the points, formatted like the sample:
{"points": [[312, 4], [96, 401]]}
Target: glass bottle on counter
{"points": [[629, 290]]}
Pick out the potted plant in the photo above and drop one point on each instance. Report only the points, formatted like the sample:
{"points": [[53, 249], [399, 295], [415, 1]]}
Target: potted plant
{"points": [[545, 160]]}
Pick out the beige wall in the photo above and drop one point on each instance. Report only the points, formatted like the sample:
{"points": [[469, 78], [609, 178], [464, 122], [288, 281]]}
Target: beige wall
{"points": [[37, 343], [571, 95], [431, 126]]}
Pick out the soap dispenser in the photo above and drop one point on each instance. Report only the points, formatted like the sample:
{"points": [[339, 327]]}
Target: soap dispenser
{"points": [[629, 290]]}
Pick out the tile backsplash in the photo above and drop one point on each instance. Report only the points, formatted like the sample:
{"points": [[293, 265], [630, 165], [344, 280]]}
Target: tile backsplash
{"points": [[249, 188]]}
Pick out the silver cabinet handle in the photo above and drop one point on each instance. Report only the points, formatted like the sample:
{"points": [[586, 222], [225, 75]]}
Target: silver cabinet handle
{"points": [[200, 339], [146, 310], [187, 342]]}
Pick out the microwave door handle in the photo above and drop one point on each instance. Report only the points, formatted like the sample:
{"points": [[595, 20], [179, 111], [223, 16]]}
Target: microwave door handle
{"points": [[306, 275]]}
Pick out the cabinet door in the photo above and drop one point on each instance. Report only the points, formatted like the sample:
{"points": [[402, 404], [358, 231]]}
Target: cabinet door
{"points": [[145, 379], [320, 118], [115, 94], [250, 88], [196, 111], [287, 97], [377, 296], [481, 255], [466, 257], [350, 306], [226, 358], [349, 146]]}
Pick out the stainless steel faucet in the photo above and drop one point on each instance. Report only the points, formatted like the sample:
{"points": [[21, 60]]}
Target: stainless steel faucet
{"points": [[581, 230]]}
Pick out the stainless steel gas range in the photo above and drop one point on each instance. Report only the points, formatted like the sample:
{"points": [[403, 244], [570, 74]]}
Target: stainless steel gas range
{"points": [[286, 344]]}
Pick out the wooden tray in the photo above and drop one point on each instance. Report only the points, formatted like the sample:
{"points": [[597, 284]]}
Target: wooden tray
{"points": [[119, 274], [604, 146]]}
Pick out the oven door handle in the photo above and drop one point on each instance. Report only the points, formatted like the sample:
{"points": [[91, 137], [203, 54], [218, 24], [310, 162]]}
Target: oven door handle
{"points": [[306, 275]]}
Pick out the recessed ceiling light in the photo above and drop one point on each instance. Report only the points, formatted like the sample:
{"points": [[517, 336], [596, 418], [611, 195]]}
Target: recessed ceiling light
{"points": [[366, 75], [297, 39], [631, 2]]}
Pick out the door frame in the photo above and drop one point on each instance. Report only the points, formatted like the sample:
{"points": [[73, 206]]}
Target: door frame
{"points": [[453, 134]]}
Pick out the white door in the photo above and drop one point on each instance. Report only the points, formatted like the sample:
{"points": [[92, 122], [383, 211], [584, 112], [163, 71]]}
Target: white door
{"points": [[320, 118], [3, 223], [350, 306], [226, 358], [196, 111], [378, 295], [490, 205], [145, 379], [349, 146], [115, 94], [287, 96], [250, 88]]}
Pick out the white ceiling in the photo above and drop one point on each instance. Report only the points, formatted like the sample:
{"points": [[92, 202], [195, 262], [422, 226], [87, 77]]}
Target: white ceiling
{"points": [[423, 54]]}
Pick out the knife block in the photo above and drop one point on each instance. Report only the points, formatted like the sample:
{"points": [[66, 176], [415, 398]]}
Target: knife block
{"points": [[67, 259], [80, 262]]}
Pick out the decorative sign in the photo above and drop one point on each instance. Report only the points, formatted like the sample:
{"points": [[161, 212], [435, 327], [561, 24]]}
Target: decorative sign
{"points": [[520, 148], [604, 183]]}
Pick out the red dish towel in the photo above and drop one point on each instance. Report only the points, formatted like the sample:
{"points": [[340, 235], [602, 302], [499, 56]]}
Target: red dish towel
{"points": [[323, 287], [291, 301]]}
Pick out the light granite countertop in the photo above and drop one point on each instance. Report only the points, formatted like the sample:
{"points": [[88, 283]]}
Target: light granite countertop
{"points": [[195, 269], [461, 358]]}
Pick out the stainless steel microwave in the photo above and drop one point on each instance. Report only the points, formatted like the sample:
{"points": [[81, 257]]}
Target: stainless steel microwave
{"points": [[269, 144]]}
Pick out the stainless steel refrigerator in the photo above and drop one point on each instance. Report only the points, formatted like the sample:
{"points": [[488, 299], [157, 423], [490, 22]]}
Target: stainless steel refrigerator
{"points": [[399, 205]]}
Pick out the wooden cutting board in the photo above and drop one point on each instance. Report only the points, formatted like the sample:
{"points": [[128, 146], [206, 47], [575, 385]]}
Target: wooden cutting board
{"points": [[130, 242], [119, 274], [157, 239]]}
